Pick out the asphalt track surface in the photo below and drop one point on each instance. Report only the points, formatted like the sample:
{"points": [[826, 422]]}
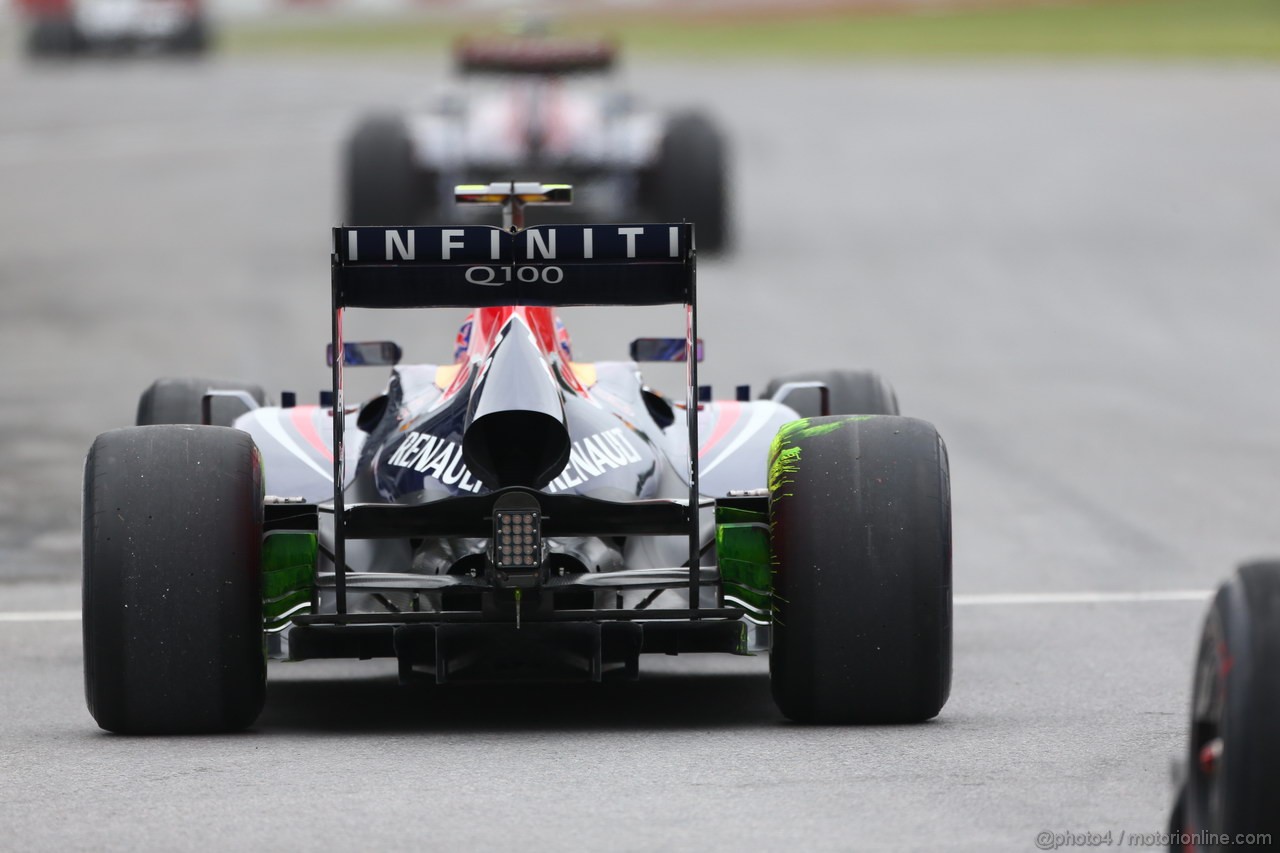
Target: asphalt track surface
{"points": [[1070, 269]]}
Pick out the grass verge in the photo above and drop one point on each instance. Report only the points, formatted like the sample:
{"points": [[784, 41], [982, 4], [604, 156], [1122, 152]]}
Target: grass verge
{"points": [[1234, 29]]}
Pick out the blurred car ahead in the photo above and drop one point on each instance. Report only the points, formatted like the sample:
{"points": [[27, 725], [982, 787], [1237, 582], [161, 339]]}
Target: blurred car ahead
{"points": [[515, 114], [63, 29]]}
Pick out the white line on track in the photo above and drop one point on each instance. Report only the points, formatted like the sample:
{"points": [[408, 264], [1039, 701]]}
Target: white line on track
{"points": [[1013, 598], [994, 599], [41, 616]]}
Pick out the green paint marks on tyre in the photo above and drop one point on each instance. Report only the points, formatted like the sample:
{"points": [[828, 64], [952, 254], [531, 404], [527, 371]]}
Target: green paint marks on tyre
{"points": [[784, 456], [784, 452], [784, 461], [288, 576], [795, 431]]}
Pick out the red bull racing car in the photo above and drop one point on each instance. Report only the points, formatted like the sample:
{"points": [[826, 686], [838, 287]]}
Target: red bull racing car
{"points": [[514, 512]]}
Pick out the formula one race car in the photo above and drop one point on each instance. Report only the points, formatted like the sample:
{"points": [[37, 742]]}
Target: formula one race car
{"points": [[517, 115], [515, 513], [1230, 797], [68, 28]]}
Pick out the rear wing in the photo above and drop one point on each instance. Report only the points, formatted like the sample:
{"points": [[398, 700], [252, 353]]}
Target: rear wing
{"points": [[481, 266], [548, 56]]}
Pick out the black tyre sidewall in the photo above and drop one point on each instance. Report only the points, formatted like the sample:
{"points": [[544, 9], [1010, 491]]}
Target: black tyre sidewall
{"points": [[172, 593], [862, 572], [1237, 684]]}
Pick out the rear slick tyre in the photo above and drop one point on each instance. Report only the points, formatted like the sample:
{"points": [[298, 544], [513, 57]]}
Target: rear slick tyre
{"points": [[383, 184], [54, 38], [691, 177], [860, 510], [852, 392], [194, 39], [173, 639], [178, 401]]}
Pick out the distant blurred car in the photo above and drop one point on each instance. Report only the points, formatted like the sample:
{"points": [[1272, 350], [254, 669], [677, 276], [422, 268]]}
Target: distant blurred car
{"points": [[515, 116], [1230, 796], [62, 29]]}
